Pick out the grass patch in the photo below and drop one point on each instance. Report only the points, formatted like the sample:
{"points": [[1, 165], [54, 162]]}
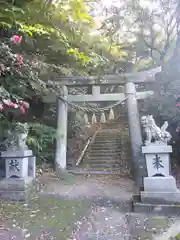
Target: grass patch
{"points": [[56, 217]]}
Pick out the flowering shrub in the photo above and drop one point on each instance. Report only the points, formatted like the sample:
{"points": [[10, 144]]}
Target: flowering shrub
{"points": [[19, 76], [18, 107], [16, 39]]}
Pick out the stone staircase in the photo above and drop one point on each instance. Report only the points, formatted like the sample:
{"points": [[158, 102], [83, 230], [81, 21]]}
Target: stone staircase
{"points": [[109, 151]]}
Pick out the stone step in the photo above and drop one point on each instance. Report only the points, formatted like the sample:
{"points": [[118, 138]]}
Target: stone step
{"points": [[108, 130], [102, 146], [107, 140], [102, 158], [115, 127], [109, 133], [105, 151], [107, 143], [105, 156], [96, 153], [103, 170], [102, 154], [99, 156], [108, 137], [103, 166], [95, 172], [115, 123], [108, 159]]}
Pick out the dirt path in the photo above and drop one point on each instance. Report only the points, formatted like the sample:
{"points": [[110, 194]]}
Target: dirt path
{"points": [[82, 208], [107, 187], [109, 219]]}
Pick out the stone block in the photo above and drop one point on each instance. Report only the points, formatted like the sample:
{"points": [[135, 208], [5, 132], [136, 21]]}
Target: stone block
{"points": [[32, 167], [157, 159], [15, 189], [156, 148], [156, 209], [160, 197], [15, 196], [158, 164], [16, 153], [160, 184], [18, 184]]}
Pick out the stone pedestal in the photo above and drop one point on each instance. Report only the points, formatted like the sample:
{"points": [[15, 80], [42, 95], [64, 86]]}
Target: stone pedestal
{"points": [[159, 186], [20, 172], [160, 190], [15, 189]]}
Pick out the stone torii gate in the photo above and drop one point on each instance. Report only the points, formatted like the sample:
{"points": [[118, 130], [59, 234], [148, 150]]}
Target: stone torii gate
{"points": [[128, 80]]}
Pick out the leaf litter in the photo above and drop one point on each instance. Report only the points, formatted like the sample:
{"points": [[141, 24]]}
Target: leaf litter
{"points": [[43, 218]]}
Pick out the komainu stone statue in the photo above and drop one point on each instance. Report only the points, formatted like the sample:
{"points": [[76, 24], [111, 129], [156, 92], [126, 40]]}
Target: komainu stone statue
{"points": [[153, 133], [22, 130], [16, 139]]}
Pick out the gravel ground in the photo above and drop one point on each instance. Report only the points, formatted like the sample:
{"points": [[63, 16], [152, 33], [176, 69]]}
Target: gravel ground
{"points": [[108, 187], [107, 220], [111, 224], [108, 217]]}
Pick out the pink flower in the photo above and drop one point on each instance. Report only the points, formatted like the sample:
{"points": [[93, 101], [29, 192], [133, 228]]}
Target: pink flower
{"points": [[16, 39], [25, 104], [22, 110], [177, 129], [8, 103]]}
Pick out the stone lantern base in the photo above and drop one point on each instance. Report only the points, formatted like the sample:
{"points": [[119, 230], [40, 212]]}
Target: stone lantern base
{"points": [[15, 189], [160, 190], [159, 186], [20, 173]]}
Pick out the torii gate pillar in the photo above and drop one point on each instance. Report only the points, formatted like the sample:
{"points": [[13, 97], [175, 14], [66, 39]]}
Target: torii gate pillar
{"points": [[135, 134], [61, 136]]}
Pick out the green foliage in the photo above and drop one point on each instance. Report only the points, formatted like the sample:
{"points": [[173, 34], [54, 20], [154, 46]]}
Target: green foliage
{"points": [[62, 34], [76, 125], [41, 140], [57, 40]]}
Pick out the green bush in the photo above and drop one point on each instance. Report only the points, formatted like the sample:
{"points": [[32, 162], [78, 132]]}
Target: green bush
{"points": [[41, 140]]}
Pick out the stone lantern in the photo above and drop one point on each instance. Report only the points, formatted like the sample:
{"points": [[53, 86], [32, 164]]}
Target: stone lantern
{"points": [[20, 163]]}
